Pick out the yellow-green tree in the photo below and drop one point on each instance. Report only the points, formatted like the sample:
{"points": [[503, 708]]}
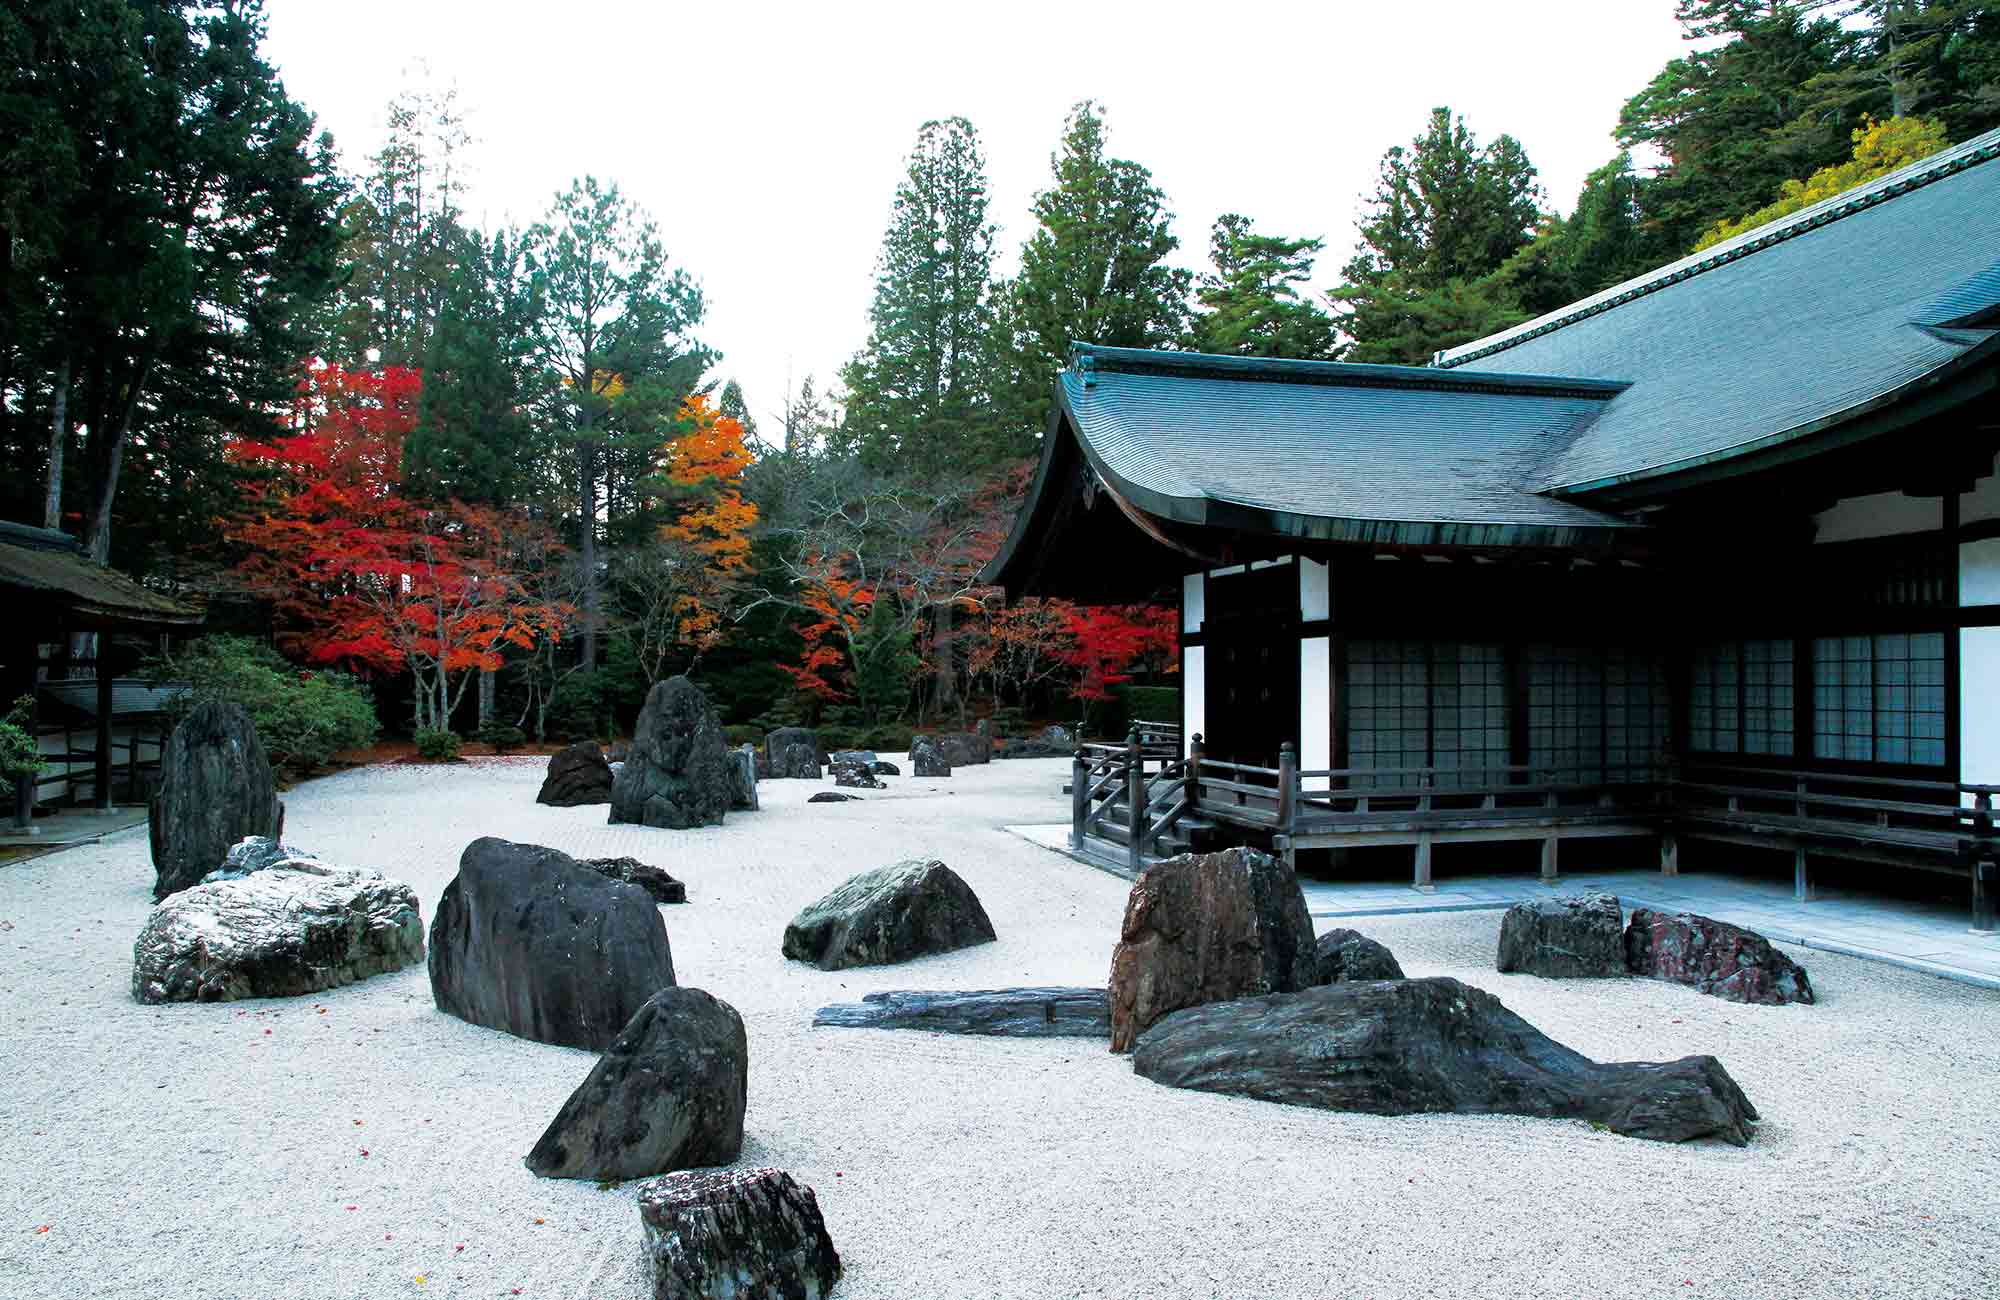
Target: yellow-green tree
{"points": [[1879, 148]]}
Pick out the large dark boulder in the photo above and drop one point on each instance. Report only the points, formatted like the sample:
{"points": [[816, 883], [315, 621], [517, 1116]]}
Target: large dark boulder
{"points": [[527, 941], [1715, 957], [280, 929], [1207, 927], [1575, 936], [660, 886], [927, 757], [736, 1234], [1344, 955], [1403, 1047], [679, 773], [779, 749], [215, 788], [667, 1094], [890, 914], [577, 776], [995, 1013]]}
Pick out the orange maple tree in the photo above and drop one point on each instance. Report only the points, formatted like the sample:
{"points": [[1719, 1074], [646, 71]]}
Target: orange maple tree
{"points": [[361, 575]]}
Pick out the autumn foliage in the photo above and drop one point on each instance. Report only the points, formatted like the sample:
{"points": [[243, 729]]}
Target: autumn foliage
{"points": [[361, 575]]}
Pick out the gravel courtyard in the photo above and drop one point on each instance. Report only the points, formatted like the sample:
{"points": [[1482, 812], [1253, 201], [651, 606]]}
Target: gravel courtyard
{"points": [[363, 1145]]}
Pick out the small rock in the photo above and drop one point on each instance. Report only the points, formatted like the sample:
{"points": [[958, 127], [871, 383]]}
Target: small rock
{"points": [[855, 776], [736, 1234], [1574, 936], [1715, 957], [832, 796], [881, 767], [1348, 955], [662, 887], [577, 777], [254, 853], [667, 1094], [887, 915], [927, 758]]}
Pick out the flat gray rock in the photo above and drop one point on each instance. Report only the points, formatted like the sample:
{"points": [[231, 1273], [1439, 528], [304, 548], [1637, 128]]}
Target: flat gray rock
{"points": [[997, 1013]]}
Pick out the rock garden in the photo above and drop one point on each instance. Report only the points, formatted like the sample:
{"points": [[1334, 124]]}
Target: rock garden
{"points": [[444, 1029]]}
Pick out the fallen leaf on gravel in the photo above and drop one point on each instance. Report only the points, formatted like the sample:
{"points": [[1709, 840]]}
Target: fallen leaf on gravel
{"points": [[459, 1246], [364, 1151], [353, 1207], [39, 1231], [541, 1220]]}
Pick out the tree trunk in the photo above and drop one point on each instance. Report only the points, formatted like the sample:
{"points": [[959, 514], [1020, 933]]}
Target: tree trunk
{"points": [[586, 467], [58, 444], [489, 682], [946, 672], [97, 539]]}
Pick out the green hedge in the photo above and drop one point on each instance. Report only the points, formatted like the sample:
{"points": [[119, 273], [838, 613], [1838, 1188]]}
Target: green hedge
{"points": [[303, 717]]}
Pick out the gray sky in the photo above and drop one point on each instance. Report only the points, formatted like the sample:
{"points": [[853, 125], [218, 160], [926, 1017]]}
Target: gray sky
{"points": [[767, 139]]}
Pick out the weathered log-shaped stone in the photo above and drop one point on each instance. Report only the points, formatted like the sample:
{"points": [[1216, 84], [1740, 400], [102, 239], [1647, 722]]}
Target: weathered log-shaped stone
{"points": [[284, 930], [997, 1013], [577, 776], [667, 1094], [833, 796], [1574, 936], [1715, 957], [660, 886], [1402, 1047], [927, 757], [865, 757], [736, 1234], [528, 942], [215, 788], [855, 776], [679, 773], [890, 914], [779, 747], [1344, 955], [1207, 927]]}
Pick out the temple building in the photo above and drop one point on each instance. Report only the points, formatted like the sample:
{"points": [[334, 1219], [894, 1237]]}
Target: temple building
{"points": [[1714, 553]]}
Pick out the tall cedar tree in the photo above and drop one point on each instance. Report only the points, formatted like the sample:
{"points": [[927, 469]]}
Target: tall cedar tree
{"points": [[610, 321], [476, 437], [181, 230], [1447, 213], [1250, 303], [1094, 271], [916, 392], [402, 236]]}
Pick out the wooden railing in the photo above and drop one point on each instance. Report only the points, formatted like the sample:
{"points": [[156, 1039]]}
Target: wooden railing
{"points": [[1134, 794]]}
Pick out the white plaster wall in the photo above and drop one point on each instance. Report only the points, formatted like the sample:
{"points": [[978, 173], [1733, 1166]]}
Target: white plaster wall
{"points": [[1193, 592], [1979, 572], [1979, 705], [1315, 707], [1315, 595], [1982, 503], [1883, 514], [1194, 692]]}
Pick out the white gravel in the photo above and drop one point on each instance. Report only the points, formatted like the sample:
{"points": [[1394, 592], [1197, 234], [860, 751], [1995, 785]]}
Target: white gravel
{"points": [[217, 1150]]}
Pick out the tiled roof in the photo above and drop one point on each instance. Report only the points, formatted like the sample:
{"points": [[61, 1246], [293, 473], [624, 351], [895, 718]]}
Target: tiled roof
{"points": [[1780, 331], [49, 566]]}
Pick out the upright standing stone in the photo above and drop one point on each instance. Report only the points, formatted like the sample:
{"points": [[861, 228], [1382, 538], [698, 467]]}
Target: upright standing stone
{"points": [[744, 768], [667, 1095], [215, 788], [1208, 927], [679, 773], [927, 757], [527, 941], [736, 1234], [786, 764], [1575, 936]]}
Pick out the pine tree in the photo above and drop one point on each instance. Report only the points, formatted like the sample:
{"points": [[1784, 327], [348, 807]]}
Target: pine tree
{"points": [[733, 405], [1250, 303], [1094, 271], [918, 389], [1447, 215]]}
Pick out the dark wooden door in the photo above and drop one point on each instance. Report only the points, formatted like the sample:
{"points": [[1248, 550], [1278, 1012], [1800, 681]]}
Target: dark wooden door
{"points": [[1252, 633]]}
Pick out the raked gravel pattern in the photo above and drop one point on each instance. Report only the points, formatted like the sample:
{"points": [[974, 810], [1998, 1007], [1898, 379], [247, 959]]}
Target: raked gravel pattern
{"points": [[360, 1144]]}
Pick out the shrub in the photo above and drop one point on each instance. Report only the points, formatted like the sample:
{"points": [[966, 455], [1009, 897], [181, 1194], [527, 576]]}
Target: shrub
{"points": [[578, 710], [501, 736], [303, 717], [891, 739], [743, 735], [437, 744], [1151, 703], [20, 752]]}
